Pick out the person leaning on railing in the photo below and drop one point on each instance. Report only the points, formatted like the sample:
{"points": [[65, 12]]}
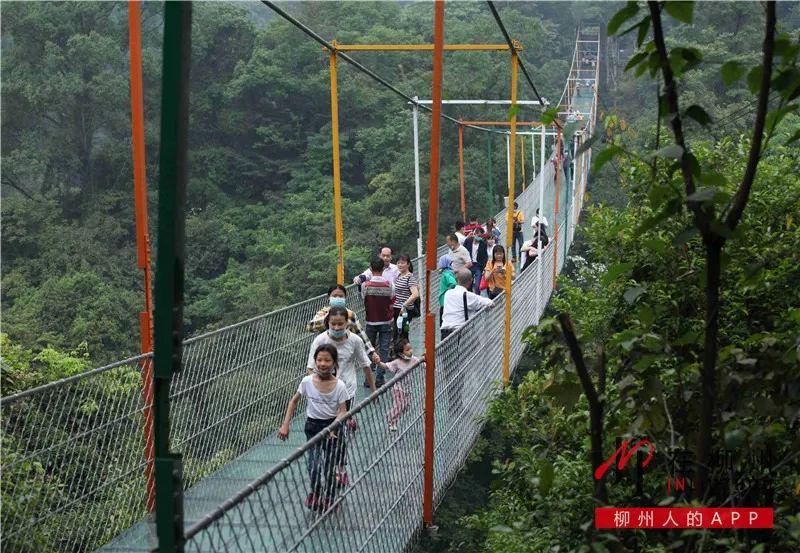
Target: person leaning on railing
{"points": [[460, 304], [337, 296], [533, 247]]}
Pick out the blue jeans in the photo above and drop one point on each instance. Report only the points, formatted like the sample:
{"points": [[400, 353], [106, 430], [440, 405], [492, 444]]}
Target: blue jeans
{"points": [[380, 336], [516, 238], [477, 273]]}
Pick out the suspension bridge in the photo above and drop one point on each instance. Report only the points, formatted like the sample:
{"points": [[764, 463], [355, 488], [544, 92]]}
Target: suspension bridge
{"points": [[233, 485]]}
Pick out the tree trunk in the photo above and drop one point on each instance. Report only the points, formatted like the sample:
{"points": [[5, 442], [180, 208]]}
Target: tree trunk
{"points": [[595, 404], [708, 372]]}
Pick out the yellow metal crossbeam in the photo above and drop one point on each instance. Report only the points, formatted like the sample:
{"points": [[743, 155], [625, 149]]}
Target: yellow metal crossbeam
{"points": [[420, 47]]}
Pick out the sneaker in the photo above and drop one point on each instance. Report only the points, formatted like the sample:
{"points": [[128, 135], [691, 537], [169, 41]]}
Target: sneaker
{"points": [[379, 383], [341, 477], [311, 501], [322, 505], [392, 427]]}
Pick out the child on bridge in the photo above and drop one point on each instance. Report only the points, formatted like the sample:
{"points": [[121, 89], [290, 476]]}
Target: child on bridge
{"points": [[326, 403], [404, 362]]}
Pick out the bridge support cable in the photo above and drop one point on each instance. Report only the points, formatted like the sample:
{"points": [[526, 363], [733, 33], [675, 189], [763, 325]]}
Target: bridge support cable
{"points": [[430, 262], [514, 45], [168, 348], [334, 54], [370, 73], [142, 236]]}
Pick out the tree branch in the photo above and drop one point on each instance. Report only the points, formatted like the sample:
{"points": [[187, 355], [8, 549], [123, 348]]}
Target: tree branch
{"points": [[595, 405], [671, 90], [7, 181], [743, 193]]}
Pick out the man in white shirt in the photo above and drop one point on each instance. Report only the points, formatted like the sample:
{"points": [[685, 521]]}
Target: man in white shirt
{"points": [[459, 256], [390, 270], [460, 304]]}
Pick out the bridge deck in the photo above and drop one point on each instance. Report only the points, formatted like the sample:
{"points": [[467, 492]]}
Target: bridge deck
{"points": [[209, 493]]}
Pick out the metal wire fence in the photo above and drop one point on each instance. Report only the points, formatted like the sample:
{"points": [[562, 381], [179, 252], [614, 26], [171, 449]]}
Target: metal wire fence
{"points": [[72, 460], [300, 505], [380, 509], [72, 451]]}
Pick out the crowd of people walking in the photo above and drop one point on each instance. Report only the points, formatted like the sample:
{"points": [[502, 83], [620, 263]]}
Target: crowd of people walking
{"points": [[472, 274]]}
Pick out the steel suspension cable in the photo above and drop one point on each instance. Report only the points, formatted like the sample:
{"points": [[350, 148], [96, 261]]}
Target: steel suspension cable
{"points": [[367, 71], [514, 48]]}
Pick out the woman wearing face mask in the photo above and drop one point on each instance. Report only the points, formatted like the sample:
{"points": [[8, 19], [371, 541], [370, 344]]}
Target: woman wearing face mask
{"points": [[337, 295], [327, 403], [403, 362], [352, 357]]}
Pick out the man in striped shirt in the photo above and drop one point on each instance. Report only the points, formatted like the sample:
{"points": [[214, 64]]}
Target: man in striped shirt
{"points": [[378, 295]]}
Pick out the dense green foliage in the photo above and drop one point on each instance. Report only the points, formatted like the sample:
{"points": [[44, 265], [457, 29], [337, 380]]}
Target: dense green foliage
{"points": [[636, 293], [259, 219], [260, 232], [638, 298], [259, 222]]}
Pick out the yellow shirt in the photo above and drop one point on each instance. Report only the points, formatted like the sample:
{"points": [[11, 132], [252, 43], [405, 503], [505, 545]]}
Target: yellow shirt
{"points": [[519, 219], [496, 280]]}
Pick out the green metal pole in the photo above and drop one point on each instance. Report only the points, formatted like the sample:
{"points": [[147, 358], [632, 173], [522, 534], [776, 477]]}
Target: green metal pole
{"points": [[168, 323], [566, 215], [491, 188]]}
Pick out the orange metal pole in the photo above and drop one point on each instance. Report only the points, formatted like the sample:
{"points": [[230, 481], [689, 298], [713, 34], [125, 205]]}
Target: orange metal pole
{"points": [[522, 158], [461, 172], [337, 178], [555, 213], [430, 260], [142, 236]]}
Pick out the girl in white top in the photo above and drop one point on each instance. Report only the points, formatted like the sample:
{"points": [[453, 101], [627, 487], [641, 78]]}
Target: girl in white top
{"points": [[326, 398]]}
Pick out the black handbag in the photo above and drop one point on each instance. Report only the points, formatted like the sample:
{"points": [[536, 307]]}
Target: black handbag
{"points": [[415, 310]]}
